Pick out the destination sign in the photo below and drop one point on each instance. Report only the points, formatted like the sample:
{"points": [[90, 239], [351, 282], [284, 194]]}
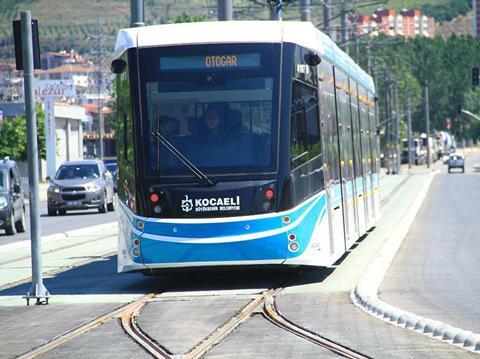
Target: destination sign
{"points": [[225, 61]]}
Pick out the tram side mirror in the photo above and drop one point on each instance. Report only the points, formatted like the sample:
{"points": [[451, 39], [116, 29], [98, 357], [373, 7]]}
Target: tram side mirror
{"points": [[312, 58], [118, 66], [377, 131]]}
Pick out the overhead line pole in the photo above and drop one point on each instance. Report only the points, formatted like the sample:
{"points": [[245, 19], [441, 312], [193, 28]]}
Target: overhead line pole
{"points": [[37, 290], [397, 129], [327, 15], [427, 125], [137, 13], [305, 10], [343, 27], [387, 116], [409, 129], [224, 10]]}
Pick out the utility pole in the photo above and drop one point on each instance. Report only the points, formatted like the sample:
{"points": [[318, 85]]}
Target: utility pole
{"points": [[305, 10], [37, 290], [409, 129], [357, 48], [137, 13], [387, 120], [427, 126], [397, 129], [367, 57], [327, 15], [100, 52], [343, 27], [224, 10]]}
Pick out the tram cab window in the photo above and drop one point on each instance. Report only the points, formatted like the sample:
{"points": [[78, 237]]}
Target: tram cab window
{"points": [[217, 105]]}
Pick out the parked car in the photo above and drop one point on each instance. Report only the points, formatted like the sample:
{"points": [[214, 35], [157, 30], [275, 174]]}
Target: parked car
{"points": [[456, 161], [112, 166], [81, 184], [12, 206]]}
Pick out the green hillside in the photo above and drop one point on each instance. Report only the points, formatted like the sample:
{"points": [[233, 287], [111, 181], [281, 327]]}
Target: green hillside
{"points": [[66, 24]]}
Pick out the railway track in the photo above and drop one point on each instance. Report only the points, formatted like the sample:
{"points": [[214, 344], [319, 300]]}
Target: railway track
{"points": [[128, 314], [263, 303]]}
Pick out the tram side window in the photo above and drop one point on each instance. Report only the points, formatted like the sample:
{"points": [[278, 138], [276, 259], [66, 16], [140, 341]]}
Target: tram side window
{"points": [[330, 134], [305, 132], [305, 149]]}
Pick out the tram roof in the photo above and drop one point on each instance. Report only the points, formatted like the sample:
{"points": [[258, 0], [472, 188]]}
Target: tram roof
{"points": [[301, 33]]}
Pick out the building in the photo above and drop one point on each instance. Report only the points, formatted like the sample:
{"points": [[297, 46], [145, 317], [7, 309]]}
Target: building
{"points": [[408, 23], [61, 58], [69, 132], [11, 83], [81, 74], [92, 132]]}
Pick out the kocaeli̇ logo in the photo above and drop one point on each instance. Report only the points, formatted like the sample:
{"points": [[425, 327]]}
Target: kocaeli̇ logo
{"points": [[213, 204], [187, 204]]}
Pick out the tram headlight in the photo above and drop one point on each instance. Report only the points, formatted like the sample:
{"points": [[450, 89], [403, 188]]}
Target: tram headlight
{"points": [[293, 246]]}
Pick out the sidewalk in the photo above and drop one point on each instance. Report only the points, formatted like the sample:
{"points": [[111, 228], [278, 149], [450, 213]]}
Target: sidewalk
{"points": [[60, 252]]}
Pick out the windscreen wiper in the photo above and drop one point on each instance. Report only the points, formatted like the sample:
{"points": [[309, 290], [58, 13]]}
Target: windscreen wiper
{"points": [[204, 180]]}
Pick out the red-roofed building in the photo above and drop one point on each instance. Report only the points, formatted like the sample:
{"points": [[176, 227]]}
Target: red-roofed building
{"points": [[409, 23], [56, 59]]}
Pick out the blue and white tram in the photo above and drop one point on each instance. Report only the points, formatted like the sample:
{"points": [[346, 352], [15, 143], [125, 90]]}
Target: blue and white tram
{"points": [[241, 143]]}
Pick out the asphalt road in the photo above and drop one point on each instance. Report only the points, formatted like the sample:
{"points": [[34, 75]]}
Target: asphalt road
{"points": [[435, 273], [58, 224]]}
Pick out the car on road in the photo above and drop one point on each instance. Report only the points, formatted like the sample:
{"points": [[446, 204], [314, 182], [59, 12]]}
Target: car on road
{"points": [[456, 160], [83, 184], [12, 206]]}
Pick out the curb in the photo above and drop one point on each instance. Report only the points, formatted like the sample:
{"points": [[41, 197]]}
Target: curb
{"points": [[364, 295]]}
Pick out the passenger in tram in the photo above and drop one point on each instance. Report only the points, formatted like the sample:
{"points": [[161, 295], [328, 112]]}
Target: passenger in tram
{"points": [[212, 123], [169, 126]]}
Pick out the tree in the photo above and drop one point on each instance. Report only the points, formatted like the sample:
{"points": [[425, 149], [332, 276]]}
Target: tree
{"points": [[13, 137]]}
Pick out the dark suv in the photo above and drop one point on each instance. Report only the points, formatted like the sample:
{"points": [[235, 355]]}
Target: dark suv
{"points": [[12, 206]]}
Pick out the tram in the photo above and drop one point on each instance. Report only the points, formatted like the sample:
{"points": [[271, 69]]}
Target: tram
{"points": [[241, 143]]}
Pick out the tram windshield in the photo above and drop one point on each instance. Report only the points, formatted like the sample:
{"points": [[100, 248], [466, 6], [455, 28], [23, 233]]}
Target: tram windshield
{"points": [[217, 105]]}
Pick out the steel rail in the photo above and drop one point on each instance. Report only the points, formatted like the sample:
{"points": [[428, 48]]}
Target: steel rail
{"points": [[62, 339], [129, 324], [271, 313], [221, 332]]}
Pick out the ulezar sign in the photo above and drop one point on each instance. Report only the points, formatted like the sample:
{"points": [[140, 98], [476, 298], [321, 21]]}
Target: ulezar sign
{"points": [[54, 88]]}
